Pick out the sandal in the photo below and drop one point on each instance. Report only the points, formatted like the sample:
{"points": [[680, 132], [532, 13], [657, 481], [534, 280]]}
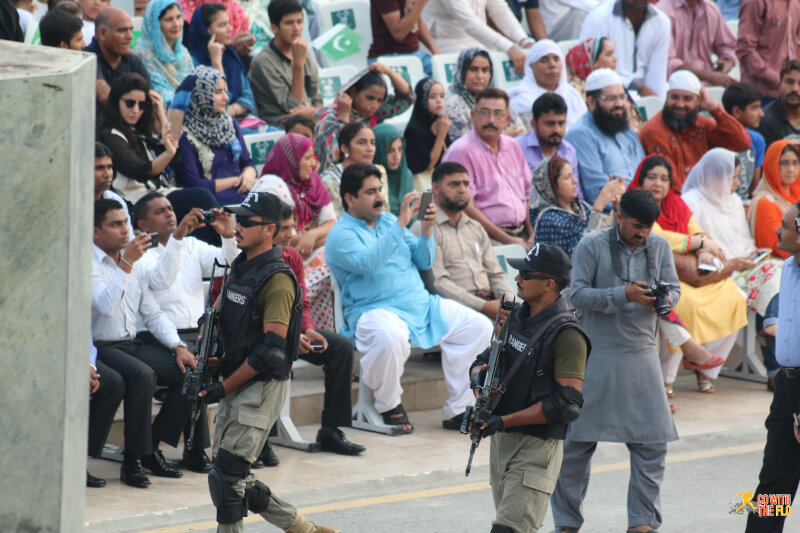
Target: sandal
{"points": [[713, 362], [668, 389], [706, 386], [397, 417]]}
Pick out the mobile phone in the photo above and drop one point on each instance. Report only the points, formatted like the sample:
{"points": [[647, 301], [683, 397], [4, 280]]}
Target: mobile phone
{"points": [[706, 267], [425, 201], [718, 67], [316, 346], [153, 239], [758, 256]]}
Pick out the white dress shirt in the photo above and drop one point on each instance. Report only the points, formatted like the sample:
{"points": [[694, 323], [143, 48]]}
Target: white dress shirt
{"points": [[641, 58], [175, 275], [120, 299], [459, 24]]}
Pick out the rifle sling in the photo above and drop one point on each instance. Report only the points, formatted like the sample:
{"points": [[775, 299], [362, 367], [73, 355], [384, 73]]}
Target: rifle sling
{"points": [[524, 354]]}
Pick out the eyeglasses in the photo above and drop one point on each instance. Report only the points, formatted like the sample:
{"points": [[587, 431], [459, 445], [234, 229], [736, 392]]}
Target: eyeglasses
{"points": [[533, 275], [249, 222], [789, 163], [130, 102], [612, 98], [498, 114]]}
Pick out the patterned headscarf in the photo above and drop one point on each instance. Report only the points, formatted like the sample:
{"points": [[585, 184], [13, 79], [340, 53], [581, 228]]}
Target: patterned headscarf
{"points": [[581, 57], [465, 59], [167, 66], [309, 195], [545, 183], [202, 120]]}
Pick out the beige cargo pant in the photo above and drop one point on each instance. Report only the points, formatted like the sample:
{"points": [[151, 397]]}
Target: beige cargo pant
{"points": [[523, 471], [241, 427]]}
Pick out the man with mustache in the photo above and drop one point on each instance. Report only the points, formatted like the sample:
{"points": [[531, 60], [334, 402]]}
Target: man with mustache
{"points": [[465, 268], [549, 125], [681, 135], [376, 260], [606, 145], [782, 116], [103, 176], [610, 268], [501, 179]]}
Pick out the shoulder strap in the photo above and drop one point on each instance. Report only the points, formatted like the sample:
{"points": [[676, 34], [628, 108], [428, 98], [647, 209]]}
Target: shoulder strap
{"points": [[538, 334]]}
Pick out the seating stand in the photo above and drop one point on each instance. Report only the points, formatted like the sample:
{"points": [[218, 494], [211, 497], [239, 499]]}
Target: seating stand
{"points": [[748, 365], [366, 417], [288, 436]]}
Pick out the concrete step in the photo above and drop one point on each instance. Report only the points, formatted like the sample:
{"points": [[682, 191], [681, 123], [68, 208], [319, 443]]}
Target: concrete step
{"points": [[423, 388]]}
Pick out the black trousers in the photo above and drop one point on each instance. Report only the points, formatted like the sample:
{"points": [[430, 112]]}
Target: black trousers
{"points": [[337, 363], [115, 364], [103, 405], [780, 471]]}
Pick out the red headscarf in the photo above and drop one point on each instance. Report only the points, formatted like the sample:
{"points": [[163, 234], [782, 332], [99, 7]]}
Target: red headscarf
{"points": [[284, 160], [581, 57], [675, 214]]}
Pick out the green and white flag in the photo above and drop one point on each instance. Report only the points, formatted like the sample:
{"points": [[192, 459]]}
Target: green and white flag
{"points": [[338, 42]]}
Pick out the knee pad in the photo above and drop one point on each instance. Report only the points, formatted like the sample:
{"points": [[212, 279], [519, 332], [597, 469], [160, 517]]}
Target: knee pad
{"points": [[501, 529], [226, 472], [257, 497]]}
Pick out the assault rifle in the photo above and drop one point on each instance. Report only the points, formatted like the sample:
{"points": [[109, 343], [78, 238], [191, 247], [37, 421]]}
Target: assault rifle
{"points": [[195, 380], [480, 413]]}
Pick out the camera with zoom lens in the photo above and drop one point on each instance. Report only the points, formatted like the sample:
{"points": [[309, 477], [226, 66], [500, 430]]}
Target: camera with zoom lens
{"points": [[209, 217], [660, 289]]}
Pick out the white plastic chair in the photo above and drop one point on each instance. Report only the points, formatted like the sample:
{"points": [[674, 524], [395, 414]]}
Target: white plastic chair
{"points": [[444, 68], [734, 26], [567, 45], [259, 145], [504, 74], [354, 13], [332, 78], [651, 105], [509, 251], [408, 66], [716, 93]]}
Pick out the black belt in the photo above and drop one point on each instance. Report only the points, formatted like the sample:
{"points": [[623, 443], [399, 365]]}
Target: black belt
{"points": [[791, 372], [188, 330]]}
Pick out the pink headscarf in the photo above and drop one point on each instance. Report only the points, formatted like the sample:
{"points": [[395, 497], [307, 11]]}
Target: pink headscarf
{"points": [[309, 195]]}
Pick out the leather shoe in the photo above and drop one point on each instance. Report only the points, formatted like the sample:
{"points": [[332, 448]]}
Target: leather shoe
{"points": [[333, 440], [131, 473], [196, 461], [94, 482], [453, 423], [267, 457], [158, 466]]}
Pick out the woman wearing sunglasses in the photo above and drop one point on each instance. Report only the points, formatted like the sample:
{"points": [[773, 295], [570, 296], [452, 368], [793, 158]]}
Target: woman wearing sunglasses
{"points": [[137, 132]]}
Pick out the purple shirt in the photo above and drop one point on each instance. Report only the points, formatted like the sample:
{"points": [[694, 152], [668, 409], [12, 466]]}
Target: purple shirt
{"points": [[223, 165], [499, 184], [533, 155], [696, 36]]}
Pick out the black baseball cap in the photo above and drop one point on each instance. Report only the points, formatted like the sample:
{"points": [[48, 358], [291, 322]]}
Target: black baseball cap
{"points": [[545, 258], [260, 204]]}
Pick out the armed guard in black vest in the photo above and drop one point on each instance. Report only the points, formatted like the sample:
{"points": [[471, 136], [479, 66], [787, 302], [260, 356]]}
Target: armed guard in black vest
{"points": [[540, 369], [259, 330]]}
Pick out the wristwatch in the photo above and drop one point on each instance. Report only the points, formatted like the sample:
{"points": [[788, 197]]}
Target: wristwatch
{"points": [[181, 344]]}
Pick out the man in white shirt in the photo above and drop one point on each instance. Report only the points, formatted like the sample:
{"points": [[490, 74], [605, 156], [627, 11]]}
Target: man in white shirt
{"points": [[563, 18], [103, 176], [120, 298], [641, 37], [459, 24]]}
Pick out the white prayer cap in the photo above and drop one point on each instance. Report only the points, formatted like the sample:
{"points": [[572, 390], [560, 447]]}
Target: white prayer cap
{"points": [[602, 78], [275, 185], [683, 80]]}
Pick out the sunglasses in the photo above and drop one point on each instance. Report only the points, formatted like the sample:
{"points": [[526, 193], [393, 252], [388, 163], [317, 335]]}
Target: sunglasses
{"points": [[249, 222], [130, 102], [532, 275]]}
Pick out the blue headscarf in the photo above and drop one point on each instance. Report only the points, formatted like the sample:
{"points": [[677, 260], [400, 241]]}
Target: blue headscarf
{"points": [[167, 66], [197, 42]]}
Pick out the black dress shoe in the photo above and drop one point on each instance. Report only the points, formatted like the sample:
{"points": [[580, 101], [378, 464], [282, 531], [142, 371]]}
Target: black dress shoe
{"points": [[333, 440], [196, 461], [453, 423], [158, 466], [131, 473], [267, 457], [94, 482]]}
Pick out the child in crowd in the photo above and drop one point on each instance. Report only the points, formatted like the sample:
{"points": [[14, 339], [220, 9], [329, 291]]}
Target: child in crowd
{"points": [[300, 124], [62, 29], [743, 102]]}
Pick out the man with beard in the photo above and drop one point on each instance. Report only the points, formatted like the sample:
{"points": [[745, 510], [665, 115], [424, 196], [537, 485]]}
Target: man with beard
{"points": [[782, 116], [607, 146], [376, 260], [500, 178], [465, 268], [549, 123], [678, 132]]}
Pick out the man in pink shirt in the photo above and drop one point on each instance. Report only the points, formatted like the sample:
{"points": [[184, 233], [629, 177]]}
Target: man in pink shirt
{"points": [[698, 30], [500, 180], [769, 35]]}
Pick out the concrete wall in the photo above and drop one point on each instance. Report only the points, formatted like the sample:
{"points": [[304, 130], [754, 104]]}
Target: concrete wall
{"points": [[46, 195]]}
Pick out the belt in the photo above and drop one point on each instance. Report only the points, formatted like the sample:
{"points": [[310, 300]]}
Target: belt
{"points": [[791, 372]]}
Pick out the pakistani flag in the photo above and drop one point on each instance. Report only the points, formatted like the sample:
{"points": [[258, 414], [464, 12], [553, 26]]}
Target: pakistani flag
{"points": [[338, 42]]}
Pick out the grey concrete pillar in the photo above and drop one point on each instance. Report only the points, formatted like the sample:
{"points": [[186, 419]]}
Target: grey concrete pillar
{"points": [[46, 196]]}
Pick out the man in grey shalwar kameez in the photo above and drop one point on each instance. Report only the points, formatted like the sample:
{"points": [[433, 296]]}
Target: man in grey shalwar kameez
{"points": [[623, 390]]}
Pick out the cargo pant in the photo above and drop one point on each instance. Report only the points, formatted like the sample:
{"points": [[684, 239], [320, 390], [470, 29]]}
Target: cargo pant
{"points": [[523, 474], [241, 428]]}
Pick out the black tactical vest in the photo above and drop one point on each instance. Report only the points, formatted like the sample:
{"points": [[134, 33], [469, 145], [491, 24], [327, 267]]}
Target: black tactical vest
{"points": [[534, 379], [241, 324]]}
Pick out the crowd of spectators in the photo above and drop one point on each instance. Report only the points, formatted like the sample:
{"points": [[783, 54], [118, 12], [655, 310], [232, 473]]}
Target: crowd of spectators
{"points": [[546, 160]]}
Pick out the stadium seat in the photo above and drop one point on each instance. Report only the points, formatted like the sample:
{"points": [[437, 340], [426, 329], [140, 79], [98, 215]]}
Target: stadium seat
{"points": [[716, 93], [259, 145], [331, 79], [354, 13], [504, 74], [444, 68], [734, 26], [567, 45], [509, 251], [651, 105]]}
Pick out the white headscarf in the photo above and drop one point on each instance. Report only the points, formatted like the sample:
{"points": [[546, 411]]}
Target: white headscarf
{"points": [[707, 192], [523, 95]]}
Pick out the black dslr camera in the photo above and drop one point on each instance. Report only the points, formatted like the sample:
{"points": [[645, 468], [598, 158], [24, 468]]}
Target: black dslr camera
{"points": [[660, 289], [209, 217]]}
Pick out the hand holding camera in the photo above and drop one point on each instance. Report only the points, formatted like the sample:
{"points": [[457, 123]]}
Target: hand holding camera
{"points": [[136, 249]]}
